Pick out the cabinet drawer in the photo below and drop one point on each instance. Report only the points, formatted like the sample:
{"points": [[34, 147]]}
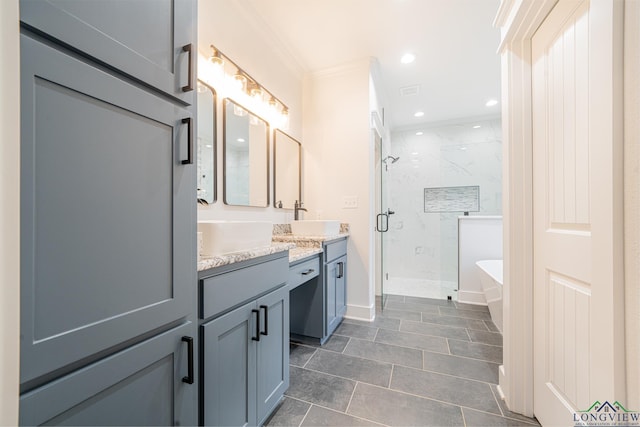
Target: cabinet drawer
{"points": [[300, 273], [222, 292], [335, 249]]}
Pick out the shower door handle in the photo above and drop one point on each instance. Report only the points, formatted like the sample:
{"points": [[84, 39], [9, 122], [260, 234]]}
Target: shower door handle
{"points": [[379, 223]]}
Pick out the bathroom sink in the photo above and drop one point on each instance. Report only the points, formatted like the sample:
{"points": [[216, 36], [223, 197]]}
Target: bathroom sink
{"points": [[319, 227], [221, 237]]}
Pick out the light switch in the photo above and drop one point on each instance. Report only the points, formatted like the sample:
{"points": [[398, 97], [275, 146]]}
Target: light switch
{"points": [[350, 202]]}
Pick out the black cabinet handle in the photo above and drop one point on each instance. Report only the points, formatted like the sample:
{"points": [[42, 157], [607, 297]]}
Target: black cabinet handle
{"points": [[189, 122], [189, 378], [340, 270], [309, 271], [257, 337], [266, 320], [189, 49]]}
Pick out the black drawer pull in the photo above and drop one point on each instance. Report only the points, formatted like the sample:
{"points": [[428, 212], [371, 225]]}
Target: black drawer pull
{"points": [[257, 337], [189, 49], [309, 271], [189, 122], [189, 378], [266, 320], [340, 270]]}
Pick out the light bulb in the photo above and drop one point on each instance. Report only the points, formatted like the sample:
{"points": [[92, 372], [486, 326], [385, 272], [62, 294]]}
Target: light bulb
{"points": [[240, 81], [285, 119]]}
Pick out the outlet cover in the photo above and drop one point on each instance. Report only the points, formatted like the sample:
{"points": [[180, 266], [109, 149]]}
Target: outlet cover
{"points": [[350, 202]]}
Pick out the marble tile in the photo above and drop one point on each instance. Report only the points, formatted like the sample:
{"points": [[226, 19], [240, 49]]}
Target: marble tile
{"points": [[461, 367], [385, 353], [356, 331], [490, 353], [290, 412], [299, 355], [393, 408], [318, 416], [355, 368], [322, 389], [434, 330], [445, 388], [411, 340]]}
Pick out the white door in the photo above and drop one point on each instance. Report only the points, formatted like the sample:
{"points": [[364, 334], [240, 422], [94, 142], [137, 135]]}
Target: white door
{"points": [[577, 179]]}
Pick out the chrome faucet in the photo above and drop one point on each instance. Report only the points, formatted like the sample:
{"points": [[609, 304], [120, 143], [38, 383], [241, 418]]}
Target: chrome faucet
{"points": [[296, 209]]}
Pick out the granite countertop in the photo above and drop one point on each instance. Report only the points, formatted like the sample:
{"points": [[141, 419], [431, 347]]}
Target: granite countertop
{"points": [[307, 241], [299, 253], [206, 263]]}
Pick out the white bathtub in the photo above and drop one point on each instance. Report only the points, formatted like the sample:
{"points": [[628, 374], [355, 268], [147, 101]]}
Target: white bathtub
{"points": [[490, 273]]}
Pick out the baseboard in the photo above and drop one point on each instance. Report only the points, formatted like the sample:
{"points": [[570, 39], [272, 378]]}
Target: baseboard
{"points": [[361, 312], [470, 297], [502, 384]]}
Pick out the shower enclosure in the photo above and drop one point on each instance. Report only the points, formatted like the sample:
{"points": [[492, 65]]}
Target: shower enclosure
{"points": [[428, 179]]}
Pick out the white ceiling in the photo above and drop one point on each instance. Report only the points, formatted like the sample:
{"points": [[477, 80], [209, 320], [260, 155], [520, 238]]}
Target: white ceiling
{"points": [[455, 44]]}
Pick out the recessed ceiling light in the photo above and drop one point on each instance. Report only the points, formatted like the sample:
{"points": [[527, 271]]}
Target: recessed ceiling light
{"points": [[419, 133], [240, 139], [408, 58], [491, 102], [477, 127], [209, 146], [415, 153], [463, 148], [419, 114]]}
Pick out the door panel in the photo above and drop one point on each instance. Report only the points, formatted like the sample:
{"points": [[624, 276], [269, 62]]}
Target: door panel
{"points": [[151, 52], [106, 211], [229, 369], [273, 351], [575, 282], [138, 386]]}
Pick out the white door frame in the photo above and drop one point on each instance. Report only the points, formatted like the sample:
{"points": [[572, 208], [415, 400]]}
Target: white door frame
{"points": [[518, 20]]}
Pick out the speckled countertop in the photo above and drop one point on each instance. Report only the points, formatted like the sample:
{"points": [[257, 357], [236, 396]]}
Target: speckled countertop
{"points": [[307, 241], [299, 253], [206, 263]]}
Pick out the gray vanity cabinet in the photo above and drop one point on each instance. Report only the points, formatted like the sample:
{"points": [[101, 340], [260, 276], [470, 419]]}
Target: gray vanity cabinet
{"points": [[149, 40], [335, 283], [244, 362]]}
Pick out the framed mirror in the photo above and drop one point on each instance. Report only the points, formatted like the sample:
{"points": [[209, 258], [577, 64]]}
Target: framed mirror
{"points": [[246, 157], [287, 170], [206, 143]]}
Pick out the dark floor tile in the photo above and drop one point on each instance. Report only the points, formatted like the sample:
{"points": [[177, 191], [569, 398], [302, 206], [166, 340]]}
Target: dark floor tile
{"points": [[445, 388], [467, 314], [290, 412], [458, 322], [482, 419], [490, 353], [461, 367], [412, 306], [300, 354], [391, 297], [322, 389], [491, 326], [378, 322], [335, 343], [357, 331], [407, 339], [398, 409], [472, 307], [355, 368], [430, 301], [401, 314], [507, 413], [385, 353], [491, 338], [434, 330], [325, 417]]}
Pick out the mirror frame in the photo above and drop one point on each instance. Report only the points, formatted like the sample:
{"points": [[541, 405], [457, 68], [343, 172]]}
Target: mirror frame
{"points": [[275, 167], [225, 101], [214, 143]]}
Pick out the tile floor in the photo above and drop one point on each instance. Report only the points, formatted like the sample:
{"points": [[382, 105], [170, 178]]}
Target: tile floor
{"points": [[425, 288], [422, 362]]}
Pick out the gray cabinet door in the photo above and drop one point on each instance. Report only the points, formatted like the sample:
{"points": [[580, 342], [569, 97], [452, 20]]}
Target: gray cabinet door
{"points": [[335, 292], [272, 350], [141, 38], [107, 213], [228, 367], [141, 385]]}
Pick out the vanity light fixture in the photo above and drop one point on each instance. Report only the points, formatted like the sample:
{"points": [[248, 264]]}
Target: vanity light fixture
{"points": [[491, 102], [231, 81]]}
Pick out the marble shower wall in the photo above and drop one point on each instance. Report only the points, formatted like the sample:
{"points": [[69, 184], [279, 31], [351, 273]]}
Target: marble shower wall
{"points": [[425, 245]]}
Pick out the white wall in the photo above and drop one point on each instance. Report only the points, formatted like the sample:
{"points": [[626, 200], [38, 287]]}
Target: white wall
{"points": [[9, 211], [425, 245], [339, 152], [235, 29]]}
